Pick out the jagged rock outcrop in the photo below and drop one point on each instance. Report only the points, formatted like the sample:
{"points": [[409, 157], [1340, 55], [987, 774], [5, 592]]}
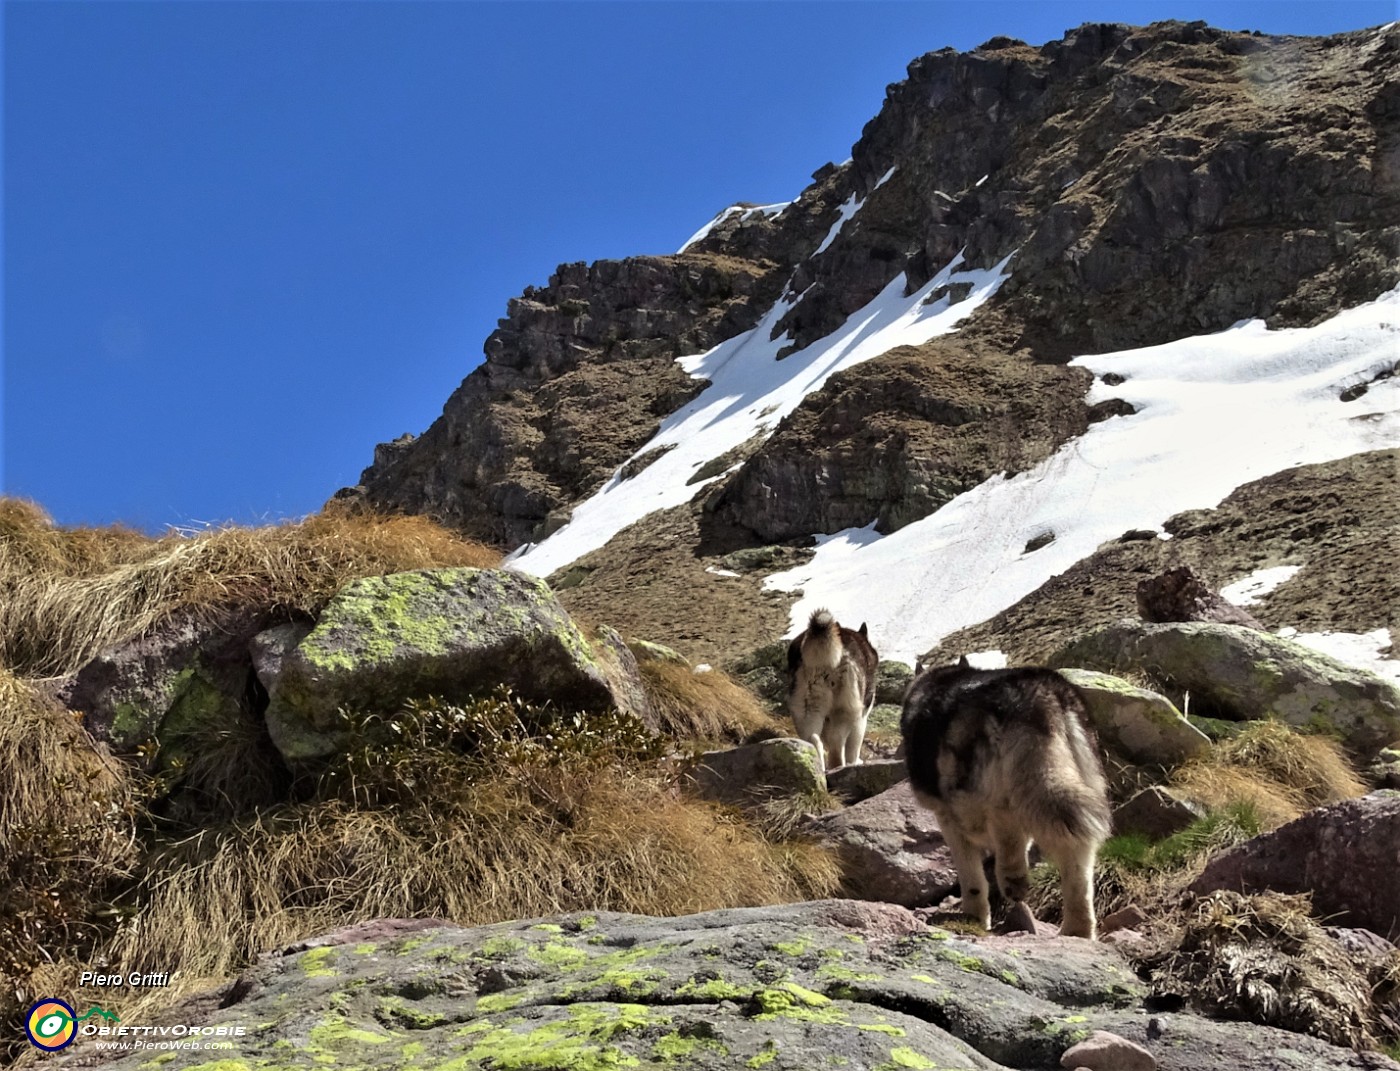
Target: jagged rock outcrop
{"points": [[1151, 183]]}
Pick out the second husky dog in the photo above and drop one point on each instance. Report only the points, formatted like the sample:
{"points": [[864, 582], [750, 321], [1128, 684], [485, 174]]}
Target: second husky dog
{"points": [[1002, 757], [831, 688]]}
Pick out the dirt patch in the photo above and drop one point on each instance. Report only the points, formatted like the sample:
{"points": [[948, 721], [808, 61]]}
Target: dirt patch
{"points": [[650, 582]]}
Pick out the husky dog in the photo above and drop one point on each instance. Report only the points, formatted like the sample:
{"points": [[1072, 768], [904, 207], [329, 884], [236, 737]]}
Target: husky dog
{"points": [[1003, 757], [831, 688]]}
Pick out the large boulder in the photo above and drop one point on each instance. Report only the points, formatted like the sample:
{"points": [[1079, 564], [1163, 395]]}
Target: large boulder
{"points": [[1242, 673], [783, 988], [890, 848], [186, 675], [448, 633], [1347, 855], [1136, 723]]}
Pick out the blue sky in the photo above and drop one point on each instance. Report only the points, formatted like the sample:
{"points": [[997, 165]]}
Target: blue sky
{"points": [[244, 242]]}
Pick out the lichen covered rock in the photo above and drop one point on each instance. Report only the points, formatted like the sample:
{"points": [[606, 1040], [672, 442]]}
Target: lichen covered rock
{"points": [[1242, 673], [1137, 723], [782, 987], [769, 768], [448, 633]]}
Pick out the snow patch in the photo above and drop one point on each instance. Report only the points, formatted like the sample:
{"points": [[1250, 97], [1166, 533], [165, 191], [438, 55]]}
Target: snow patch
{"points": [[1362, 650], [750, 391], [1255, 586], [1213, 412], [720, 572]]}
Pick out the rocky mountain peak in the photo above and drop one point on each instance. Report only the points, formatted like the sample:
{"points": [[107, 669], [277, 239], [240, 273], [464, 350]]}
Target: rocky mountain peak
{"points": [[1146, 184]]}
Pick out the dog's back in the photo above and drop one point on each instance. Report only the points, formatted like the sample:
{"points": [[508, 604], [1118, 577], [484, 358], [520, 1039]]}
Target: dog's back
{"points": [[831, 687], [1004, 757]]}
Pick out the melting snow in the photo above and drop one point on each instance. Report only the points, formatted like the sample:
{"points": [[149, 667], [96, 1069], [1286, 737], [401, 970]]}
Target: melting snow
{"points": [[750, 392], [1213, 412], [1255, 586]]}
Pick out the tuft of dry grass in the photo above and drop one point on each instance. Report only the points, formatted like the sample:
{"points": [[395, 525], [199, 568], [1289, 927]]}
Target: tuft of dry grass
{"points": [[69, 592], [559, 837], [68, 818], [1280, 772], [709, 707], [1264, 959]]}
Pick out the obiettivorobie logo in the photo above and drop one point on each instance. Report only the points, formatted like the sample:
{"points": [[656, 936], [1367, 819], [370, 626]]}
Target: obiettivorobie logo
{"points": [[52, 1024]]}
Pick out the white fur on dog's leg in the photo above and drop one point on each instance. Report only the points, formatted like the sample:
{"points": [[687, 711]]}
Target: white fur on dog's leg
{"points": [[1076, 866], [967, 857]]}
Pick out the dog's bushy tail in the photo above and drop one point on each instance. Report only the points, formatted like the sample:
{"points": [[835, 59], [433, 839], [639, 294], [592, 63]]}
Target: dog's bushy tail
{"points": [[821, 643]]}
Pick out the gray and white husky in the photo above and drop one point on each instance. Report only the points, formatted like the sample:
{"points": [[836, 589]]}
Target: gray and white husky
{"points": [[1004, 757], [831, 687]]}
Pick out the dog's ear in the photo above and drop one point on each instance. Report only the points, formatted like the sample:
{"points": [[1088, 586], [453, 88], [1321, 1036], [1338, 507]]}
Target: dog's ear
{"points": [[863, 631], [963, 663]]}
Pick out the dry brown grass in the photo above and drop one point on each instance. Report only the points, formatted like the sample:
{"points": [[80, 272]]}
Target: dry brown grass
{"points": [[67, 840], [69, 592], [709, 707], [1280, 772], [1264, 959], [562, 837]]}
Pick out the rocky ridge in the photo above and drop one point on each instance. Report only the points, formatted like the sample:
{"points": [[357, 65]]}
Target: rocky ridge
{"points": [[1151, 183]]}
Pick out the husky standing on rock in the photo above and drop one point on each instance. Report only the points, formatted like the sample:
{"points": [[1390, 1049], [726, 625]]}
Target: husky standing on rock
{"points": [[831, 688], [1002, 757]]}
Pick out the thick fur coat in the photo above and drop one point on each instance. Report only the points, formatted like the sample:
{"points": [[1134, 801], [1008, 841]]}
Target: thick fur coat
{"points": [[1004, 757], [831, 687]]}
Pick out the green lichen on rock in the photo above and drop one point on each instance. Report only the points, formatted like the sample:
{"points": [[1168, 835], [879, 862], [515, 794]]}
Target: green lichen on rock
{"points": [[1243, 673], [316, 962], [452, 634]]}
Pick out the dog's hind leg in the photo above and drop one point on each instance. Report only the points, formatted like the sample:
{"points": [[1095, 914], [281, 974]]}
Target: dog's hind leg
{"points": [[810, 714], [972, 879], [1012, 865], [1074, 858]]}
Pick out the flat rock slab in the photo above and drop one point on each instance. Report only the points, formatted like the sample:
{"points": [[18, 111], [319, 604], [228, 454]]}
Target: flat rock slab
{"points": [[780, 987], [448, 633], [1243, 673], [1347, 855], [891, 849], [1137, 723]]}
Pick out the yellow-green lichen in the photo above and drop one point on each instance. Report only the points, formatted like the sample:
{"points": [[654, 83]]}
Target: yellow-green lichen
{"points": [[315, 962], [903, 1056], [580, 1043], [677, 1046], [364, 948], [548, 927], [492, 1003], [765, 1055], [790, 948]]}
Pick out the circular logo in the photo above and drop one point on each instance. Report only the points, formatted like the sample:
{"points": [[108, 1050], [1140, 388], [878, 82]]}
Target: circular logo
{"points": [[50, 1025]]}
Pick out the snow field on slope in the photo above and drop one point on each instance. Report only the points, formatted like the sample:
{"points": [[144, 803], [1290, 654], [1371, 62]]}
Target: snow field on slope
{"points": [[1213, 412], [750, 392]]}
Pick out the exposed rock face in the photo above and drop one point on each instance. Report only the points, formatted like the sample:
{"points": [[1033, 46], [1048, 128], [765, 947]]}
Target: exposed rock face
{"points": [[779, 987], [1345, 854], [446, 633], [1243, 673], [1152, 183], [186, 673]]}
